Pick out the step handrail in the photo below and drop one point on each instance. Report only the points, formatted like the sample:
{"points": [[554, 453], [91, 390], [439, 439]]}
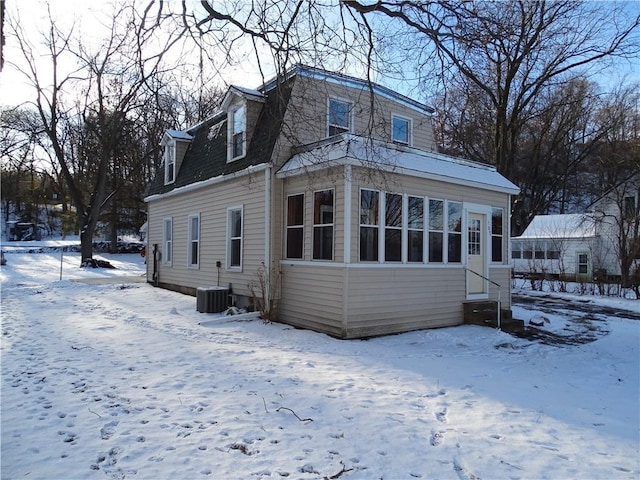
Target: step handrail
{"points": [[467, 269]]}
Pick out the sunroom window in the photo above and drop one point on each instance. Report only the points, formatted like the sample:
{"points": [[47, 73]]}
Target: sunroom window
{"points": [[369, 201], [323, 225]]}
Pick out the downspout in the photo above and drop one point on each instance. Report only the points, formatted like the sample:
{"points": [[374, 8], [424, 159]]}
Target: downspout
{"points": [[267, 233]]}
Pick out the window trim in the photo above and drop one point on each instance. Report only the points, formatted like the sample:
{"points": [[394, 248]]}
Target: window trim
{"points": [[409, 121], [349, 128], [291, 227], [230, 239], [231, 114], [169, 154], [324, 225], [167, 243], [190, 241]]}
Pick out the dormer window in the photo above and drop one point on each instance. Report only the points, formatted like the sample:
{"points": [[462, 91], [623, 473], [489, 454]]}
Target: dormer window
{"points": [[237, 133], [400, 130], [339, 116], [169, 162]]}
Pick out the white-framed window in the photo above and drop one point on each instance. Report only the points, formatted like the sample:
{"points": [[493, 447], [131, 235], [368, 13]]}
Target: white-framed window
{"points": [[436, 230], [237, 132], [323, 209], [234, 237], [392, 227], [339, 116], [169, 163], [497, 235], [295, 226], [401, 129], [193, 241], [454, 232], [415, 229], [369, 222], [167, 240]]}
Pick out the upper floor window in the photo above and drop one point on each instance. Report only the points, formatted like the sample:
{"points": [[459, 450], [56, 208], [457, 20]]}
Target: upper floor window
{"points": [[339, 116], [323, 225], [194, 240], [237, 137], [169, 163], [295, 226], [401, 130]]}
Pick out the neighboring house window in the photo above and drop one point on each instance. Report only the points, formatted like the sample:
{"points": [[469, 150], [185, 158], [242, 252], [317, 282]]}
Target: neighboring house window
{"points": [[553, 251], [339, 117], [393, 227], [415, 226], [630, 208], [527, 251], [234, 237], [369, 201], [496, 234], [401, 130], [454, 236], [436, 230], [295, 226], [167, 241], [237, 132], [323, 225], [194, 240], [516, 252], [538, 252], [169, 163]]}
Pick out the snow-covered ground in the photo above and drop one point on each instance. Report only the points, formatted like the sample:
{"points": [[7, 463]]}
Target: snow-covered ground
{"points": [[122, 380]]}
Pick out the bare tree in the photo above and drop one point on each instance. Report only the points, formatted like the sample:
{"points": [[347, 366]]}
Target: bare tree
{"points": [[100, 95], [505, 56]]}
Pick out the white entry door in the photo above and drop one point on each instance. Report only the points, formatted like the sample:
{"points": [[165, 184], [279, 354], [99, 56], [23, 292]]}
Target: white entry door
{"points": [[476, 254]]}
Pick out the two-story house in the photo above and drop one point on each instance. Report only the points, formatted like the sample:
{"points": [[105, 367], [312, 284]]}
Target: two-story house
{"points": [[335, 186]]}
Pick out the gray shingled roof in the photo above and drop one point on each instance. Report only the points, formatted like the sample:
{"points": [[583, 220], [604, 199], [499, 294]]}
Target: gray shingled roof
{"points": [[206, 156]]}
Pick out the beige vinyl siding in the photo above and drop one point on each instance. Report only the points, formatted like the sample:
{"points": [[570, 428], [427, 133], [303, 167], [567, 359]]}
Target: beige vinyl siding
{"points": [[312, 297], [395, 299], [212, 203], [307, 122]]}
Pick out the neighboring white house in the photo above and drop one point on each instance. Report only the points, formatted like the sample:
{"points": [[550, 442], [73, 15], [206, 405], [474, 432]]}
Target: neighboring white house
{"points": [[328, 191], [581, 246]]}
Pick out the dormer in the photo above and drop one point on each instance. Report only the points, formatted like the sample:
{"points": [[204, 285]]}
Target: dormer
{"points": [[243, 107], [174, 144]]}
